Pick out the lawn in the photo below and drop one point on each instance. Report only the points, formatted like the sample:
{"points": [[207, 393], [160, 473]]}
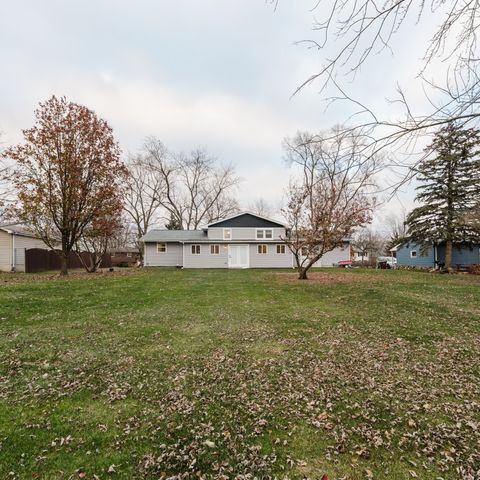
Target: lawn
{"points": [[240, 374]]}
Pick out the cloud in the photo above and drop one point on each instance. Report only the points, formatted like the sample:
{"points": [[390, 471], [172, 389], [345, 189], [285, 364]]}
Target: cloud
{"points": [[212, 73]]}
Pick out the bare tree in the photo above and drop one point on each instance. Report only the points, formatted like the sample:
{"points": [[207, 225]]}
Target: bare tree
{"points": [[146, 189], [357, 30], [368, 243], [331, 197], [261, 207], [195, 189], [125, 235], [396, 229], [6, 193], [96, 239]]}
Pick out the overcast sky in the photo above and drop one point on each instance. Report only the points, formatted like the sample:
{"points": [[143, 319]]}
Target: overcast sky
{"points": [[213, 73]]}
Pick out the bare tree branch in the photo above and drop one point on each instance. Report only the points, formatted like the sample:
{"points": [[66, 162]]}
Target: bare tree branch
{"points": [[356, 30], [331, 197]]}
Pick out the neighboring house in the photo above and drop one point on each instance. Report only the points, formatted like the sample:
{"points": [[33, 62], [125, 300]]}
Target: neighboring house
{"points": [[124, 255], [244, 240], [14, 240], [412, 254], [358, 256]]}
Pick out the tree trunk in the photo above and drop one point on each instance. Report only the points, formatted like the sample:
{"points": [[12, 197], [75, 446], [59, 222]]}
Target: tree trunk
{"points": [[141, 247], [63, 263], [302, 273], [448, 255]]}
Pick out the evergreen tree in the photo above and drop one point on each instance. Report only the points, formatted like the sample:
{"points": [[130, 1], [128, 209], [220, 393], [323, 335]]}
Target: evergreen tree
{"points": [[449, 189], [173, 223]]}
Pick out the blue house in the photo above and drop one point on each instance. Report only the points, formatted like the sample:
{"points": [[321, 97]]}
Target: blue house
{"points": [[412, 254]]}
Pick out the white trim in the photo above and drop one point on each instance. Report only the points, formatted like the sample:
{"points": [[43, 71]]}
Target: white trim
{"points": [[246, 212], [264, 230], [214, 245], [13, 253], [262, 245], [413, 252], [230, 230], [161, 243]]}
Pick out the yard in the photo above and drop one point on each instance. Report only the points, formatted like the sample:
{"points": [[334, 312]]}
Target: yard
{"points": [[236, 374]]}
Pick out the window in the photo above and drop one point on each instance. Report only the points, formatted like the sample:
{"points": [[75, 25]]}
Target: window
{"points": [[413, 254], [214, 249], [266, 233], [281, 249], [227, 234], [262, 249], [161, 247], [304, 252], [195, 249]]}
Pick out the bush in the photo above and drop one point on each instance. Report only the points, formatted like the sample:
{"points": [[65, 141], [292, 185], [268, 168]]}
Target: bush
{"points": [[414, 268], [474, 269]]}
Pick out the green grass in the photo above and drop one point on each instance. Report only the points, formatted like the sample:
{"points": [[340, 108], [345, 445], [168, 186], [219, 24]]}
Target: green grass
{"points": [[218, 374]]}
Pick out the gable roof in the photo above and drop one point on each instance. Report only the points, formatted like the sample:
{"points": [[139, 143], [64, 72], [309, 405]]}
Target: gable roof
{"points": [[246, 219], [173, 235], [16, 229]]}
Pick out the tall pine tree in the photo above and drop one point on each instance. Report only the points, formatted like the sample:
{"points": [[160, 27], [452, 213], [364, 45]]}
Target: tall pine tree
{"points": [[449, 189]]}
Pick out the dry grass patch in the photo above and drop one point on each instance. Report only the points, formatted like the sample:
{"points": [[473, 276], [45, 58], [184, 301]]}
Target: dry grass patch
{"points": [[331, 278]]}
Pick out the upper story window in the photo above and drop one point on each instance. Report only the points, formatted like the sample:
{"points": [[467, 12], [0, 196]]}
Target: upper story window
{"points": [[214, 249], [264, 233], [195, 249], [227, 233], [161, 248]]}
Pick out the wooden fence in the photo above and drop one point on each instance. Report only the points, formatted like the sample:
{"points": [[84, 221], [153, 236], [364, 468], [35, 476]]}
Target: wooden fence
{"points": [[42, 260]]}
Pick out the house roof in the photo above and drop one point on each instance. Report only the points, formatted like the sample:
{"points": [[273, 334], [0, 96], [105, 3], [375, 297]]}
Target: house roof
{"points": [[17, 229], [174, 235], [246, 219]]}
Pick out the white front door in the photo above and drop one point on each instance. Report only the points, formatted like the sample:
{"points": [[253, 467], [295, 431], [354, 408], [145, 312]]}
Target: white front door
{"points": [[238, 256]]}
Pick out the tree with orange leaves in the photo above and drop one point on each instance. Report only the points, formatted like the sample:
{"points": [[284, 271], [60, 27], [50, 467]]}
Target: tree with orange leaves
{"points": [[67, 174]]}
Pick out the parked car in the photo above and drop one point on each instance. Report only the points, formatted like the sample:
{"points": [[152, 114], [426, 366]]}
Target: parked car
{"points": [[386, 262]]}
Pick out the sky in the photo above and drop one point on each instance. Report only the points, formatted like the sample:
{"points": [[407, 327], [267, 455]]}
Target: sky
{"points": [[216, 74]]}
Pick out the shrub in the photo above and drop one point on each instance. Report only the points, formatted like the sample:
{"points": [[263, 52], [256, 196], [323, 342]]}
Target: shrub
{"points": [[474, 269]]}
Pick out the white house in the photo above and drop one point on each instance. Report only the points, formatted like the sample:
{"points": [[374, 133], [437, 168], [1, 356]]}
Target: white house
{"points": [[14, 240], [244, 240]]}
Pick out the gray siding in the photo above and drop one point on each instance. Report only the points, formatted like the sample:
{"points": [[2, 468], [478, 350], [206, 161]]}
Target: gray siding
{"points": [[330, 259], [271, 259], [171, 258], [242, 233], [5, 251], [205, 259], [180, 254]]}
